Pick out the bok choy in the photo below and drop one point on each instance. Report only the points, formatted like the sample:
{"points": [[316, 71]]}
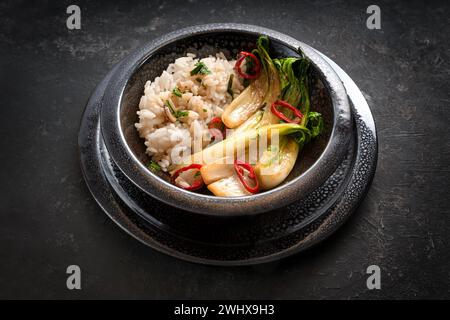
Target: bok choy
{"points": [[276, 102], [261, 92]]}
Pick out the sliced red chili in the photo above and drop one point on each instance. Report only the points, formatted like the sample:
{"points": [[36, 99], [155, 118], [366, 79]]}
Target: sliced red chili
{"points": [[249, 58], [239, 166], [282, 116], [216, 121], [197, 184], [217, 128]]}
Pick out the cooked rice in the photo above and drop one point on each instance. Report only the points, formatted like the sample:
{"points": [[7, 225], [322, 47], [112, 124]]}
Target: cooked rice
{"points": [[203, 96]]}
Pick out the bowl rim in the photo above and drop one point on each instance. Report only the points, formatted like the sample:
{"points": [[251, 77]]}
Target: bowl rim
{"points": [[160, 189]]}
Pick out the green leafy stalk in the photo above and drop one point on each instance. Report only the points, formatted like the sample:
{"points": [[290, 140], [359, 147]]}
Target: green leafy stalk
{"points": [[302, 137], [293, 74], [273, 89], [313, 129], [315, 123], [294, 85], [291, 77], [290, 83], [303, 70]]}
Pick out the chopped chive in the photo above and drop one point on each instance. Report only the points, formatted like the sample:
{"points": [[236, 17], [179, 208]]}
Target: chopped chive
{"points": [[230, 85], [169, 105], [154, 166], [200, 68], [176, 113], [181, 113], [177, 92]]}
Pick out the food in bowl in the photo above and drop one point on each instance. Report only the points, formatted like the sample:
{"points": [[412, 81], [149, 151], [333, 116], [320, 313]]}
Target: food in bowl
{"points": [[234, 126]]}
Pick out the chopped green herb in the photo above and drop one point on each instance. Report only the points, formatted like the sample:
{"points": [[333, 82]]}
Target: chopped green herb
{"points": [[177, 92], [204, 110], [230, 85], [200, 68], [154, 166], [169, 105], [181, 113], [315, 123], [197, 174], [176, 113]]}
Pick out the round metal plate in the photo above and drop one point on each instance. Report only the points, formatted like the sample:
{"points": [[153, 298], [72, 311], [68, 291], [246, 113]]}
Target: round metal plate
{"points": [[233, 240]]}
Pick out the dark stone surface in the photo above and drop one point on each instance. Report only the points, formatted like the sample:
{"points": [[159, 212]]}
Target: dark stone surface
{"points": [[49, 220]]}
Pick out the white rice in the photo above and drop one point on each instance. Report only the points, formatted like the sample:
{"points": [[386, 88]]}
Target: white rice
{"points": [[204, 96]]}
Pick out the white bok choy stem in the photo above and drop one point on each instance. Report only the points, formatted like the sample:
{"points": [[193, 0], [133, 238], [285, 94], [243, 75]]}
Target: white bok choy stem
{"points": [[237, 144]]}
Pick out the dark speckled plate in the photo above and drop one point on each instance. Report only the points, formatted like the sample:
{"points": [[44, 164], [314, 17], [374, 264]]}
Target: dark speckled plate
{"points": [[231, 240]]}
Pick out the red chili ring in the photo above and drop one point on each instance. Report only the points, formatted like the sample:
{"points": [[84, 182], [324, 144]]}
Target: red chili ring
{"points": [[197, 183], [243, 55], [215, 120], [238, 166], [280, 115], [217, 134], [216, 125]]}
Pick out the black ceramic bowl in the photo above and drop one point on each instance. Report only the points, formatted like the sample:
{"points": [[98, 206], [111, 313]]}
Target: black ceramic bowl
{"points": [[118, 115]]}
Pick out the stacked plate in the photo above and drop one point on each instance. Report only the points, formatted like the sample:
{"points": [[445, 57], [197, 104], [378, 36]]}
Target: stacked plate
{"points": [[200, 228]]}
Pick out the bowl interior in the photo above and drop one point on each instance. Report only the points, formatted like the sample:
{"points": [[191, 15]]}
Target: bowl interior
{"points": [[203, 45]]}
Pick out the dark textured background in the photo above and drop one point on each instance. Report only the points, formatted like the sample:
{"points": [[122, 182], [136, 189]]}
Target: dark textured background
{"points": [[49, 220]]}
